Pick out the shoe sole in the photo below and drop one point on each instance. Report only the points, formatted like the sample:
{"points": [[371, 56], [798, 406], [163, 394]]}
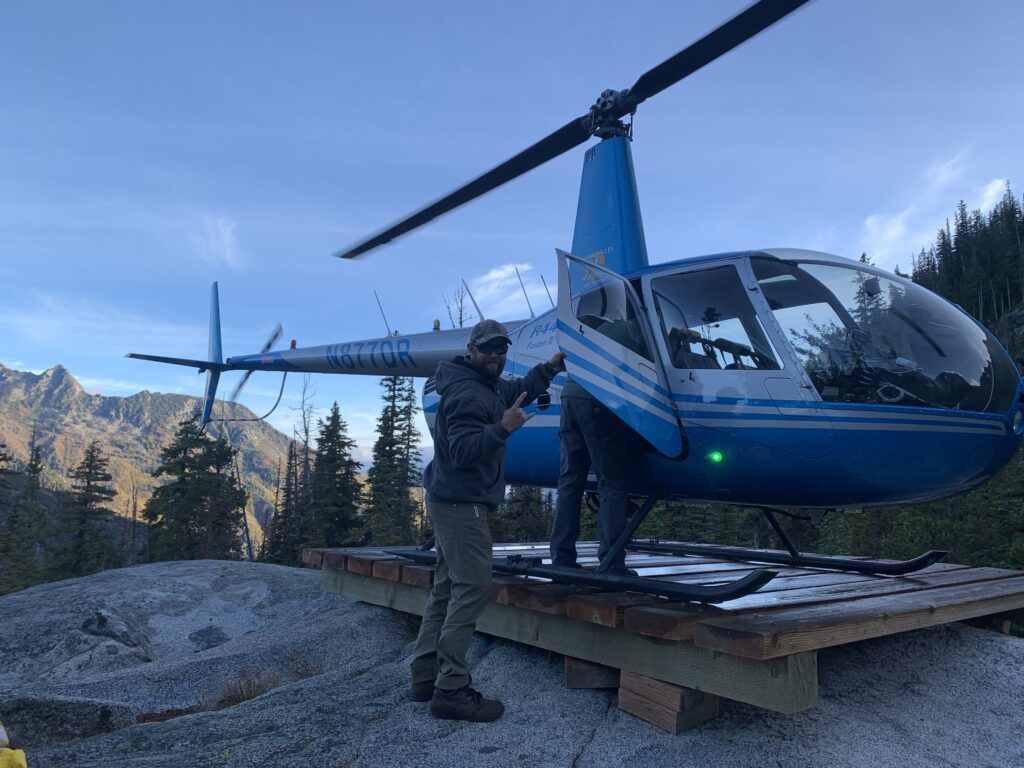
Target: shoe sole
{"points": [[466, 718]]}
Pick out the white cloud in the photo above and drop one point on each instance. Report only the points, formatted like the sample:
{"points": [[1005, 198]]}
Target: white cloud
{"points": [[500, 295], [892, 238], [215, 241], [991, 194]]}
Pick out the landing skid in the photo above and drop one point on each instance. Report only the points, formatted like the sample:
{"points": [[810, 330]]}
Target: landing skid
{"points": [[792, 556], [870, 567], [697, 593]]}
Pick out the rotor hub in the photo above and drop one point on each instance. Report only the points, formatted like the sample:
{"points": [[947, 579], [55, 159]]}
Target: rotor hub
{"points": [[605, 117]]}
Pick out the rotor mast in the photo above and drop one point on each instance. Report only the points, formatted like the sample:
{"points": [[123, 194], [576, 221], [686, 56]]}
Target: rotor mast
{"points": [[609, 228]]}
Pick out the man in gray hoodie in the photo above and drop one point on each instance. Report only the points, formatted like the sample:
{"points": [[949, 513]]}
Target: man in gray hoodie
{"points": [[465, 482]]}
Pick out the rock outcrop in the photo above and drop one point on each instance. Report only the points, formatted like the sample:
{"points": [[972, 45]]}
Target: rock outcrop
{"points": [[238, 664]]}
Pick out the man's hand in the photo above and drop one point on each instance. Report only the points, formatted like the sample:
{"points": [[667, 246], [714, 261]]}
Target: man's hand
{"points": [[515, 416], [557, 362]]}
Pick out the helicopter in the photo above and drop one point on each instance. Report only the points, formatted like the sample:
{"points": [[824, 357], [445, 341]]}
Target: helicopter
{"points": [[776, 378]]}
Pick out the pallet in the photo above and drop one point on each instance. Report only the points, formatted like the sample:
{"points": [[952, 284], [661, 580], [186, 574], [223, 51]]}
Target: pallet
{"points": [[760, 649]]}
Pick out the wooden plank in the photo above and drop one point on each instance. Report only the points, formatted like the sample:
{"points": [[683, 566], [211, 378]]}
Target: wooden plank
{"points": [[544, 597], [418, 575], [786, 685], [580, 673], [882, 585], [801, 629], [363, 564], [675, 697], [671, 720], [390, 570], [312, 557], [333, 559], [604, 608], [666, 621]]}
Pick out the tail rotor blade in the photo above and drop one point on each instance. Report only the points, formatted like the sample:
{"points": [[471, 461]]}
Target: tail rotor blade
{"points": [[239, 386], [274, 336]]}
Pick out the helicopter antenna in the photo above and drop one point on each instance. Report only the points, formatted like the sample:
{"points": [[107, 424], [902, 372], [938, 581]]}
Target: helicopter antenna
{"points": [[470, 294], [525, 295], [381, 308], [548, 290]]}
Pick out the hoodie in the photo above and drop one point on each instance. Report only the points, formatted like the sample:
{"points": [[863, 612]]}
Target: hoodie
{"points": [[469, 441]]}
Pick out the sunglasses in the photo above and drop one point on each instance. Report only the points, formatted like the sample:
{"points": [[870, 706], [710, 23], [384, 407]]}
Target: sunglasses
{"points": [[493, 348]]}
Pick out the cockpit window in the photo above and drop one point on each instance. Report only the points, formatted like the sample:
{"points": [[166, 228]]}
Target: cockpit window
{"points": [[864, 338], [709, 322]]}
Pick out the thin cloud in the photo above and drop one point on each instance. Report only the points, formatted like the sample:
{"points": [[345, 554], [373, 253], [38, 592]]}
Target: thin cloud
{"points": [[215, 241], [93, 325], [892, 238], [500, 295], [106, 386], [991, 194]]}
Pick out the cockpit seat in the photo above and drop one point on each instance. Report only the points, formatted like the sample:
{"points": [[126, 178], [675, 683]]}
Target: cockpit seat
{"points": [[679, 343]]}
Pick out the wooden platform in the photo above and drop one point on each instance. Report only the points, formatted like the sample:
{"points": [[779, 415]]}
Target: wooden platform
{"points": [[760, 649]]}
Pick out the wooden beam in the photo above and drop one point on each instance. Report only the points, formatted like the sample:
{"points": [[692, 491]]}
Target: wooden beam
{"points": [[673, 708], [580, 673], [390, 570], [778, 633], [604, 608], [418, 575], [784, 685]]}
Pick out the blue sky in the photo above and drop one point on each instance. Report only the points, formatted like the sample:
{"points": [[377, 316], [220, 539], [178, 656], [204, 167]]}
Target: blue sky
{"points": [[150, 148]]}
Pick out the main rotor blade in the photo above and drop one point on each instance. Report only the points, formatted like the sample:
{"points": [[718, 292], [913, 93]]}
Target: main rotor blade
{"points": [[570, 135], [731, 34]]}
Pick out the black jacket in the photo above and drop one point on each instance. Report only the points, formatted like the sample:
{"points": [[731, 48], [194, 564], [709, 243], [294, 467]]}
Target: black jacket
{"points": [[469, 441]]}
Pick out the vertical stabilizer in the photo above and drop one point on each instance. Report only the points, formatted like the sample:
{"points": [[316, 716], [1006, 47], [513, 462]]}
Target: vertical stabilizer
{"points": [[215, 356], [609, 230]]}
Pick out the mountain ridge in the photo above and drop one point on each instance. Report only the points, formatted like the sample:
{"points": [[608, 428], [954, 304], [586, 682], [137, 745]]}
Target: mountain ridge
{"points": [[131, 432]]}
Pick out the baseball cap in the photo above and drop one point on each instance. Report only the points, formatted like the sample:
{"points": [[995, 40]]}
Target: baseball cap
{"points": [[488, 330]]}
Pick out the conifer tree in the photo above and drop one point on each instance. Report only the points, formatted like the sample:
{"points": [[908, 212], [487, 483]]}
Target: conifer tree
{"points": [[282, 543], [85, 545], [199, 512], [336, 494], [395, 471]]}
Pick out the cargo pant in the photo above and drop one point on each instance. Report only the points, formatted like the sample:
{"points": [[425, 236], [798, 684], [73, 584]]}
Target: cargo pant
{"points": [[461, 584], [591, 436]]}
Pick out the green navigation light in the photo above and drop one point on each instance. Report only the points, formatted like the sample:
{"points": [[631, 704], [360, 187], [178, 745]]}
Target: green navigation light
{"points": [[715, 457]]}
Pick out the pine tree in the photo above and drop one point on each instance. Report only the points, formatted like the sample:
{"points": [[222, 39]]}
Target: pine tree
{"points": [[85, 545], [395, 471], [199, 512], [336, 493], [282, 543]]}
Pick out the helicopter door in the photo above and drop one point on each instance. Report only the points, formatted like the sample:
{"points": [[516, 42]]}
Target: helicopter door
{"points": [[608, 339]]}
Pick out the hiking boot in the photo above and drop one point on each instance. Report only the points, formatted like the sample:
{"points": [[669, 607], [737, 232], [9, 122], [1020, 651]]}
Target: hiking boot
{"points": [[465, 704], [422, 691]]}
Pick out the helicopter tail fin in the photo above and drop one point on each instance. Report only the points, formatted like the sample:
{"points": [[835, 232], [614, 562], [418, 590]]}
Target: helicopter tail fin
{"points": [[215, 355]]}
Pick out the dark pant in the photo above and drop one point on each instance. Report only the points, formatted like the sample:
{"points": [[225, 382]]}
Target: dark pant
{"points": [[591, 435], [462, 581]]}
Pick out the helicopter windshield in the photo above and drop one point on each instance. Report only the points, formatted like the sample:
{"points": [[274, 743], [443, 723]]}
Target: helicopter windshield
{"points": [[864, 338]]}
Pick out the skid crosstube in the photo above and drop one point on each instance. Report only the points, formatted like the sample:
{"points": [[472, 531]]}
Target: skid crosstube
{"points": [[778, 557], [695, 593]]}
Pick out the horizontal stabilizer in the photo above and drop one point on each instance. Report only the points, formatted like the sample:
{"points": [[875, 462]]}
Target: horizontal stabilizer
{"points": [[202, 365]]}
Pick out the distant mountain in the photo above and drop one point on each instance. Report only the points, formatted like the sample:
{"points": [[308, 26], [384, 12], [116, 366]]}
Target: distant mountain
{"points": [[131, 432]]}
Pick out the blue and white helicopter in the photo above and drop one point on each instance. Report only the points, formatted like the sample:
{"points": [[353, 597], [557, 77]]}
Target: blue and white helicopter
{"points": [[778, 378]]}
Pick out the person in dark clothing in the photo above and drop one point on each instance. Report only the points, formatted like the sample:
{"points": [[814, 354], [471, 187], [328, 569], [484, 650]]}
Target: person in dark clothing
{"points": [[591, 435], [465, 482]]}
